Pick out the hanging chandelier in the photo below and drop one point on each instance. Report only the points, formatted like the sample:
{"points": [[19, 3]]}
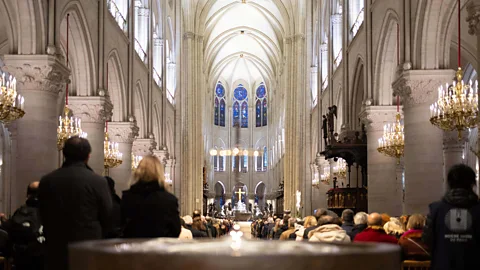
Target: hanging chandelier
{"points": [[68, 126], [135, 161], [11, 103], [325, 176], [112, 156], [392, 143], [457, 104], [316, 181], [340, 170]]}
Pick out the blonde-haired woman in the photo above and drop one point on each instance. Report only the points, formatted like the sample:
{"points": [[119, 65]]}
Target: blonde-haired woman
{"points": [[148, 210]]}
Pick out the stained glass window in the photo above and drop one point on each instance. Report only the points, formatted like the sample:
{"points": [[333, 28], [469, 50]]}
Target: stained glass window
{"points": [[215, 109], [258, 114], [219, 105], [265, 158], [240, 106], [261, 106], [236, 113]]}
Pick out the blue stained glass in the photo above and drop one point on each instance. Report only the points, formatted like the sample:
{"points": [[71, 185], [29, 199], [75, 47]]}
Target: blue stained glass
{"points": [[222, 113], [215, 114], [220, 90], [261, 91], [258, 114], [236, 113], [240, 93], [265, 158], [244, 115], [264, 112]]}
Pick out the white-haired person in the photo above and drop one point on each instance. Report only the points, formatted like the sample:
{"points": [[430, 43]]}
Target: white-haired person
{"points": [[360, 224], [148, 209]]}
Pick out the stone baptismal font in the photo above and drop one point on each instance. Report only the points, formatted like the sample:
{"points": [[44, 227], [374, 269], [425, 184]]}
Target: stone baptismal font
{"points": [[232, 253]]}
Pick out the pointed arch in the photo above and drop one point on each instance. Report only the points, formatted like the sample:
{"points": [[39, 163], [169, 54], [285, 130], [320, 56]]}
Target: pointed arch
{"points": [[116, 87], [140, 110], [358, 93], [386, 60], [156, 121], [81, 53]]}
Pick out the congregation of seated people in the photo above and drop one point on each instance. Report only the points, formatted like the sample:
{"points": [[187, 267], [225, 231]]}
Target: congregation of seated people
{"points": [[74, 204]]}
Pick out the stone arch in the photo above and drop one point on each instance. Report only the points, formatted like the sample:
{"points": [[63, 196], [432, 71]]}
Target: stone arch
{"points": [[386, 60], [81, 54], [260, 195], [358, 94], [169, 139], [156, 122], [8, 27], [140, 110], [116, 87], [219, 200], [431, 34]]}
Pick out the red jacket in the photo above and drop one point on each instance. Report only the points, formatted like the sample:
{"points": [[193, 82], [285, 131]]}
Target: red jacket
{"points": [[376, 234]]}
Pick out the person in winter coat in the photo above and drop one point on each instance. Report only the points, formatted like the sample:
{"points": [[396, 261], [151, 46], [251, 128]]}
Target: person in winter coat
{"points": [[309, 222], [148, 210], [452, 231], [360, 221], [74, 202], [291, 229], [116, 230], [329, 231], [394, 227], [198, 228], [375, 231], [413, 248], [347, 220]]}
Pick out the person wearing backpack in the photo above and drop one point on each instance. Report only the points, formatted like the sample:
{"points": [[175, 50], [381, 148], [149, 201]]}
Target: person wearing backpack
{"points": [[26, 233], [452, 230]]}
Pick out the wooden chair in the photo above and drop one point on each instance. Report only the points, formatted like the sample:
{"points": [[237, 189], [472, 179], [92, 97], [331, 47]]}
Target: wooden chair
{"points": [[415, 265]]}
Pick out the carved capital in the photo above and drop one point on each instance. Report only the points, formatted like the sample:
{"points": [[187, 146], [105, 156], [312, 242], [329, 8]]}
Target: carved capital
{"points": [[451, 139], [473, 19], [37, 72], [162, 155], [91, 109], [123, 132], [418, 87], [143, 147], [375, 117]]}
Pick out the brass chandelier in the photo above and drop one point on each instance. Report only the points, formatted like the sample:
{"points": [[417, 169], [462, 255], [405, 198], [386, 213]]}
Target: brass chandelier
{"points": [[457, 104], [112, 157], [68, 126], [135, 161], [325, 176], [11, 103], [340, 170], [392, 143]]}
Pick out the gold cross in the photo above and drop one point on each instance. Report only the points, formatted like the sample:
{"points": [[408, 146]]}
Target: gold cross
{"points": [[239, 192]]}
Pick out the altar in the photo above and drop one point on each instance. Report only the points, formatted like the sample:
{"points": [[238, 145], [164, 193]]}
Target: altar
{"points": [[240, 210]]}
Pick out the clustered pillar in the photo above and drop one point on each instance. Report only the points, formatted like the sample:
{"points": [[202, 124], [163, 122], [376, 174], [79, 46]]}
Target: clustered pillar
{"points": [[384, 188], [423, 141], [40, 78]]}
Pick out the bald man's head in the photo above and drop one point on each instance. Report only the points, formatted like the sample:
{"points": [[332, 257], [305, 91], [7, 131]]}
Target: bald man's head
{"points": [[374, 219], [32, 189]]}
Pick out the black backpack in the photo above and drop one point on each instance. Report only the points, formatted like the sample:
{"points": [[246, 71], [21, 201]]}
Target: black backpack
{"points": [[25, 225]]}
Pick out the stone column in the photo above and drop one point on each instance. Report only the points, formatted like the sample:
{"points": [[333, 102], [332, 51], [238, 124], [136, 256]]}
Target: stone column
{"points": [[320, 194], [423, 141], [383, 193], [40, 78], [473, 19], [124, 134], [93, 111], [453, 151], [191, 182]]}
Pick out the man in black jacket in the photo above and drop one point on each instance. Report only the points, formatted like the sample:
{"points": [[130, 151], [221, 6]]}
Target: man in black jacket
{"points": [[75, 203], [452, 231]]}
